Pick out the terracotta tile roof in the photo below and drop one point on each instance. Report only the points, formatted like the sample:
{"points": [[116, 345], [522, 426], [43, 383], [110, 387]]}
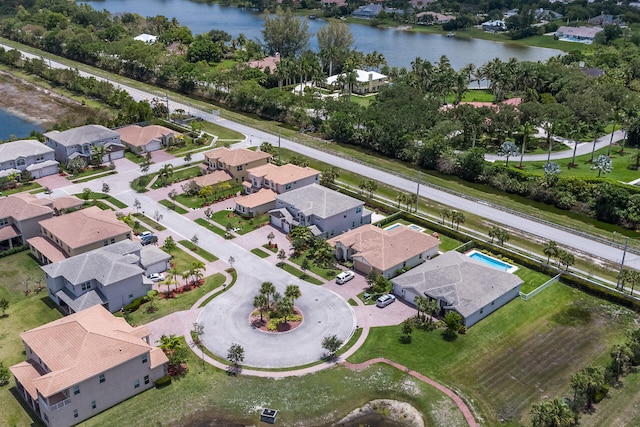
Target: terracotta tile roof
{"points": [[384, 249], [9, 231], [47, 248], [140, 136], [284, 174], [26, 373], [259, 198], [269, 61], [24, 206], [214, 178], [83, 345], [67, 202], [237, 157], [85, 226]]}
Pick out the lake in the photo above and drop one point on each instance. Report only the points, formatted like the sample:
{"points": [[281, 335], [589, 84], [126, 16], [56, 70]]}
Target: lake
{"points": [[11, 125], [399, 47]]}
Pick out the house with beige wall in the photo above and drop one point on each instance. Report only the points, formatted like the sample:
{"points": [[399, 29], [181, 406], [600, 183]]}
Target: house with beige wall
{"points": [[257, 203], [145, 139], [280, 179], [83, 364], [236, 162], [76, 233], [384, 252], [111, 276], [20, 215]]}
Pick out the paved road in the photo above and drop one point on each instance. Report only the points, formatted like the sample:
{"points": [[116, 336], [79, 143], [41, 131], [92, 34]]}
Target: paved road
{"points": [[564, 238]]}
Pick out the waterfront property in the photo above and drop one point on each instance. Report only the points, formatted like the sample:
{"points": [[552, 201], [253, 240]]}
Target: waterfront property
{"points": [[235, 162], [146, 38], [366, 81], [78, 142], [382, 251], [111, 276], [577, 34], [326, 212], [27, 155], [76, 233], [267, 63], [459, 283], [146, 139], [83, 364]]}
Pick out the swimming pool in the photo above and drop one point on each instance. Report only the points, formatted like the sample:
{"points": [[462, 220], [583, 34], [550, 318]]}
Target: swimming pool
{"points": [[411, 226], [492, 262]]}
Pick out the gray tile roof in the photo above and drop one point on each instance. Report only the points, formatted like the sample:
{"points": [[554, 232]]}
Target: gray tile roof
{"points": [[86, 300], [22, 148], [81, 135], [317, 200], [150, 255], [107, 265], [465, 283]]}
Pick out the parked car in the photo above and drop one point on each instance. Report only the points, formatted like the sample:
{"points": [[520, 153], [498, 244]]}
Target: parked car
{"points": [[148, 239], [344, 277], [144, 234], [156, 277], [385, 300]]}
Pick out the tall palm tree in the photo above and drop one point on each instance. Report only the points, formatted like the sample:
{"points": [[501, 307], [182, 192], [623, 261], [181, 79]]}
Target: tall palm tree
{"points": [[165, 173], [550, 249], [525, 129], [267, 289], [97, 154], [292, 292]]}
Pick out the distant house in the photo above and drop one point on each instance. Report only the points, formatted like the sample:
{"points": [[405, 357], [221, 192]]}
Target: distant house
{"points": [[547, 15], [20, 215], [433, 18], [212, 179], [76, 233], [146, 139], [111, 276], [368, 11], [29, 155], [257, 203], [236, 162], [366, 81], [83, 364], [605, 19], [280, 179], [270, 62], [459, 283], [333, 3], [384, 252], [577, 34], [146, 38], [420, 4], [326, 212], [494, 26], [77, 142]]}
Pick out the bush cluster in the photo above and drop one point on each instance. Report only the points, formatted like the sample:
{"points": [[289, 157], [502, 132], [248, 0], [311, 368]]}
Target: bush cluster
{"points": [[163, 381]]}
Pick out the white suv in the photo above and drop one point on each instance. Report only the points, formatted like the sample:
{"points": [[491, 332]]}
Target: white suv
{"points": [[344, 277], [385, 300]]}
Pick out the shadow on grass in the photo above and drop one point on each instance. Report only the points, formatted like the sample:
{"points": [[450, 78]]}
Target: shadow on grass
{"points": [[36, 420], [449, 335]]}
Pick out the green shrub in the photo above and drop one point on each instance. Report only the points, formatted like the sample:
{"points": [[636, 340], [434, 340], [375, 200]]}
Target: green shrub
{"points": [[14, 250], [601, 393], [163, 381], [135, 304]]}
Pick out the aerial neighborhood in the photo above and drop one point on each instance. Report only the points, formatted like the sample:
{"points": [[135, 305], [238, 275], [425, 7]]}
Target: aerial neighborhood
{"points": [[449, 239]]}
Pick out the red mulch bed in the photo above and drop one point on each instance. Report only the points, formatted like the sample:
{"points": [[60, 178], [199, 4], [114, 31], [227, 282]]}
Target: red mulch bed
{"points": [[177, 370], [182, 289], [283, 327]]}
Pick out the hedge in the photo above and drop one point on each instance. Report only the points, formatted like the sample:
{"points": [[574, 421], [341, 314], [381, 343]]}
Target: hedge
{"points": [[14, 250], [163, 381], [135, 304]]}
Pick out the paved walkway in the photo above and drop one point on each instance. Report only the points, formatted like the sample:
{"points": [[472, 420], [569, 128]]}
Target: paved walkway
{"points": [[458, 401]]}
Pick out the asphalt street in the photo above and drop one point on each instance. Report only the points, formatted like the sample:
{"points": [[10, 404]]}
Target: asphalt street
{"points": [[563, 237]]}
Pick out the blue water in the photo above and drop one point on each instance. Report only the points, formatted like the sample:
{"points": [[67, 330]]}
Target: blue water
{"points": [[11, 125], [391, 227], [490, 261]]}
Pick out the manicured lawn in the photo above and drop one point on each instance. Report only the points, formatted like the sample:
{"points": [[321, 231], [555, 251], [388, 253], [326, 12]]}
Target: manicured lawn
{"points": [[102, 196], [151, 223], [88, 172], [328, 273], [531, 279], [182, 174], [234, 277], [196, 202], [273, 248], [362, 100], [24, 313], [209, 226], [298, 273], [181, 302], [259, 252], [173, 206], [222, 133], [198, 250], [140, 184], [515, 357], [134, 157], [92, 177], [181, 259], [245, 225], [22, 187]]}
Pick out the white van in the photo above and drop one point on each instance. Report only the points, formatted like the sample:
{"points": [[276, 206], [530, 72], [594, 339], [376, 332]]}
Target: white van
{"points": [[344, 277]]}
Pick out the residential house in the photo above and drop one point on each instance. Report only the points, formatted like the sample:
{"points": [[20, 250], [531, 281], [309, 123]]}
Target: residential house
{"points": [[577, 34], [384, 252], [236, 162], [366, 81], [333, 3], [111, 276], [326, 212], [77, 142], [420, 4], [257, 203], [27, 155], [494, 26], [433, 18], [66, 204], [76, 233], [83, 364], [145, 139], [605, 19], [459, 283], [368, 11], [267, 63], [280, 178], [20, 215], [146, 38], [547, 15]]}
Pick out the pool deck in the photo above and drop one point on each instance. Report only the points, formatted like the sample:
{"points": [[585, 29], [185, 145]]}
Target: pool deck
{"points": [[509, 268]]}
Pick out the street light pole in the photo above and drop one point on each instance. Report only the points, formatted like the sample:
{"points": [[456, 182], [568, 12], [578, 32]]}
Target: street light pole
{"points": [[626, 244], [418, 192]]}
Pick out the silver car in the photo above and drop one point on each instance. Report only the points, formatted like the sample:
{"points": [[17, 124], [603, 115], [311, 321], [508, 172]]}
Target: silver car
{"points": [[385, 300]]}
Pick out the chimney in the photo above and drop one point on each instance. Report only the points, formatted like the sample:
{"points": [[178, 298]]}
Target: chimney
{"points": [[370, 76]]}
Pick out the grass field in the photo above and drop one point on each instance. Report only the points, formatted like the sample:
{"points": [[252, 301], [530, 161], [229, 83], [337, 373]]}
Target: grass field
{"points": [[299, 274], [102, 196], [209, 226], [535, 347], [151, 223], [328, 273], [235, 220], [259, 252], [173, 206], [182, 174], [181, 259], [198, 250]]}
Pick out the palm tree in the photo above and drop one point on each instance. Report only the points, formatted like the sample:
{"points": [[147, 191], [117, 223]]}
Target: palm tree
{"points": [[421, 303], [165, 173], [261, 302], [267, 289], [196, 271], [494, 232], [446, 214], [550, 249], [97, 154], [525, 129], [292, 292], [401, 199]]}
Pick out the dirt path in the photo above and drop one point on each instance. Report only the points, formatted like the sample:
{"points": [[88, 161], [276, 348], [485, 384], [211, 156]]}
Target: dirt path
{"points": [[459, 402]]}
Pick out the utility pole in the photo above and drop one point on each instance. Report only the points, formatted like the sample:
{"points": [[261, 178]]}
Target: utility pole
{"points": [[626, 244], [166, 98], [418, 192], [279, 158]]}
